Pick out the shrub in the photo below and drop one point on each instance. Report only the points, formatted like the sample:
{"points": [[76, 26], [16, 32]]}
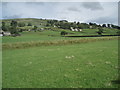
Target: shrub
{"points": [[100, 31], [29, 24], [21, 24], [118, 32], [64, 33]]}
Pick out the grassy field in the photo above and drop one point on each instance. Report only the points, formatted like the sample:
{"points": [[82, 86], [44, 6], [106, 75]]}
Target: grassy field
{"points": [[85, 65], [47, 60], [49, 35], [34, 36]]}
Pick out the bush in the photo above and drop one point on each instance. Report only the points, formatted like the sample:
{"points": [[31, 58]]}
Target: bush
{"points": [[21, 24], [64, 33], [100, 31], [118, 32], [29, 24]]}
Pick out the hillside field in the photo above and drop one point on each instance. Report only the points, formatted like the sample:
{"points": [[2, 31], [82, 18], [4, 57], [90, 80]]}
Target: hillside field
{"points": [[87, 65], [45, 58], [49, 35]]}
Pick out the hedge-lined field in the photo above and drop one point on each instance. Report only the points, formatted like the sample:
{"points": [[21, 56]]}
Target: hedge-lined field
{"points": [[54, 34], [34, 36], [85, 65]]}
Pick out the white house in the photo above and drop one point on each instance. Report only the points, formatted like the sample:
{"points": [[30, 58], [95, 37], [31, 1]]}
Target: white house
{"points": [[77, 30], [80, 30], [72, 28], [6, 33], [90, 27], [3, 33]]}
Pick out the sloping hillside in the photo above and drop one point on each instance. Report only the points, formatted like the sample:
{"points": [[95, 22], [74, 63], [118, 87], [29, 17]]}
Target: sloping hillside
{"points": [[33, 21]]}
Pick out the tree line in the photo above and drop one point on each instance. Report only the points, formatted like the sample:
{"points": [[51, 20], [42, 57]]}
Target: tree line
{"points": [[64, 24], [13, 28]]}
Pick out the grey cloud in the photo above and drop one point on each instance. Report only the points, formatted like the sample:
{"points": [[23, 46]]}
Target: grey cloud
{"points": [[73, 9], [106, 19], [35, 3], [61, 11], [92, 5], [20, 9], [12, 17], [4, 3], [64, 18]]}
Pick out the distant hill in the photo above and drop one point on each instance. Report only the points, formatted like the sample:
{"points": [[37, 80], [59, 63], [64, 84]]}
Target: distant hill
{"points": [[63, 24], [33, 21]]}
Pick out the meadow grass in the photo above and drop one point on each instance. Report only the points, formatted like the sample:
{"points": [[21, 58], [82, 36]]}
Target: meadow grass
{"points": [[85, 65], [53, 42]]}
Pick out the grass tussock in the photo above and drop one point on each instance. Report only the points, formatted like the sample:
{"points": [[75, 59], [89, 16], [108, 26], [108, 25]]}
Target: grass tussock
{"points": [[56, 42]]}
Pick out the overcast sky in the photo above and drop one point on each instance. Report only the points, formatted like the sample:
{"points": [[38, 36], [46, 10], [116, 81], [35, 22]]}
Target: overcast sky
{"points": [[99, 12]]}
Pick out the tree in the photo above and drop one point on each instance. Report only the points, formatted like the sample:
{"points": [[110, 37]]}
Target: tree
{"points": [[65, 26], [94, 25], [115, 26], [47, 24], [104, 25], [4, 27], [108, 25], [90, 23], [13, 28], [21, 24], [118, 27], [14, 23], [35, 28], [118, 32], [50, 22], [78, 23], [99, 25], [75, 22], [74, 25], [29, 24], [83, 26], [100, 31], [63, 33]]}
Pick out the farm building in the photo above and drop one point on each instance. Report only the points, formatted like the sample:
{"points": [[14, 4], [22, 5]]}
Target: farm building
{"points": [[3, 33], [77, 30]]}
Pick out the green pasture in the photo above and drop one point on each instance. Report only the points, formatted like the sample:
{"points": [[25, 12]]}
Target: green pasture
{"points": [[49, 35], [85, 65], [45, 59], [34, 36]]}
